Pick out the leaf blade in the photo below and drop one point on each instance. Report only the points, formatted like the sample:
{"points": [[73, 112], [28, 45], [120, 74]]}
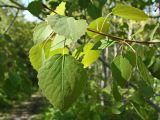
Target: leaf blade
{"points": [[129, 12]]}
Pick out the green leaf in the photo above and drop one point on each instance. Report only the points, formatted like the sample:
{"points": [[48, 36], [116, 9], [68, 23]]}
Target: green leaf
{"points": [[99, 25], [67, 26], [116, 111], [144, 72], [89, 55], [129, 12], [41, 32], [38, 53], [62, 79], [121, 70], [137, 98], [106, 43], [35, 8], [116, 108], [131, 57], [145, 90], [155, 69], [93, 11], [83, 3], [60, 9], [94, 8], [140, 111]]}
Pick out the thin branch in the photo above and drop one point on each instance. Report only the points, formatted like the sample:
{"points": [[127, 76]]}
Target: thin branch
{"points": [[11, 23], [45, 6], [118, 39], [11, 6], [19, 8], [40, 18], [157, 16], [16, 3], [104, 62]]}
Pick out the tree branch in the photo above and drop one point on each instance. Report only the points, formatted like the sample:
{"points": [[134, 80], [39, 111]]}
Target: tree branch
{"points": [[118, 39], [16, 3], [157, 16], [11, 6], [45, 6], [11, 23], [20, 7], [104, 62]]}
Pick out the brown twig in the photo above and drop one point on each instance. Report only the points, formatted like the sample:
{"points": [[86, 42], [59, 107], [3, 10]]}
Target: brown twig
{"points": [[11, 23], [11, 6], [45, 6], [118, 39]]}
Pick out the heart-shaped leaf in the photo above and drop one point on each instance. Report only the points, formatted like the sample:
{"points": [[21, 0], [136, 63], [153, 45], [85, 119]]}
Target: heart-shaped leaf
{"points": [[62, 79]]}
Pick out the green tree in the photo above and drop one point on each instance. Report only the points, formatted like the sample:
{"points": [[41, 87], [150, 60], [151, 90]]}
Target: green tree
{"points": [[97, 59]]}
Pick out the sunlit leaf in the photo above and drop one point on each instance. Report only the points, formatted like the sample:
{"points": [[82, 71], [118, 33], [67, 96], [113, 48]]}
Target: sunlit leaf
{"points": [[60, 9], [89, 55]]}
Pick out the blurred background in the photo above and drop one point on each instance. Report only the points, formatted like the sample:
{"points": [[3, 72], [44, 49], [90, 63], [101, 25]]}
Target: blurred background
{"points": [[20, 97]]}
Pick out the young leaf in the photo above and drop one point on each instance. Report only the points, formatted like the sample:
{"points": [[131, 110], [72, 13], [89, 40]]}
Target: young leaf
{"points": [[100, 25], [121, 70], [41, 32], [62, 79], [90, 57], [129, 12], [67, 26]]}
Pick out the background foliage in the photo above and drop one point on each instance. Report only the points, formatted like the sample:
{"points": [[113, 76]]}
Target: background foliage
{"points": [[120, 84]]}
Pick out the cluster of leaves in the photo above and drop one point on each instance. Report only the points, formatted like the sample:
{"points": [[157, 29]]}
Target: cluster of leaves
{"points": [[64, 70]]}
